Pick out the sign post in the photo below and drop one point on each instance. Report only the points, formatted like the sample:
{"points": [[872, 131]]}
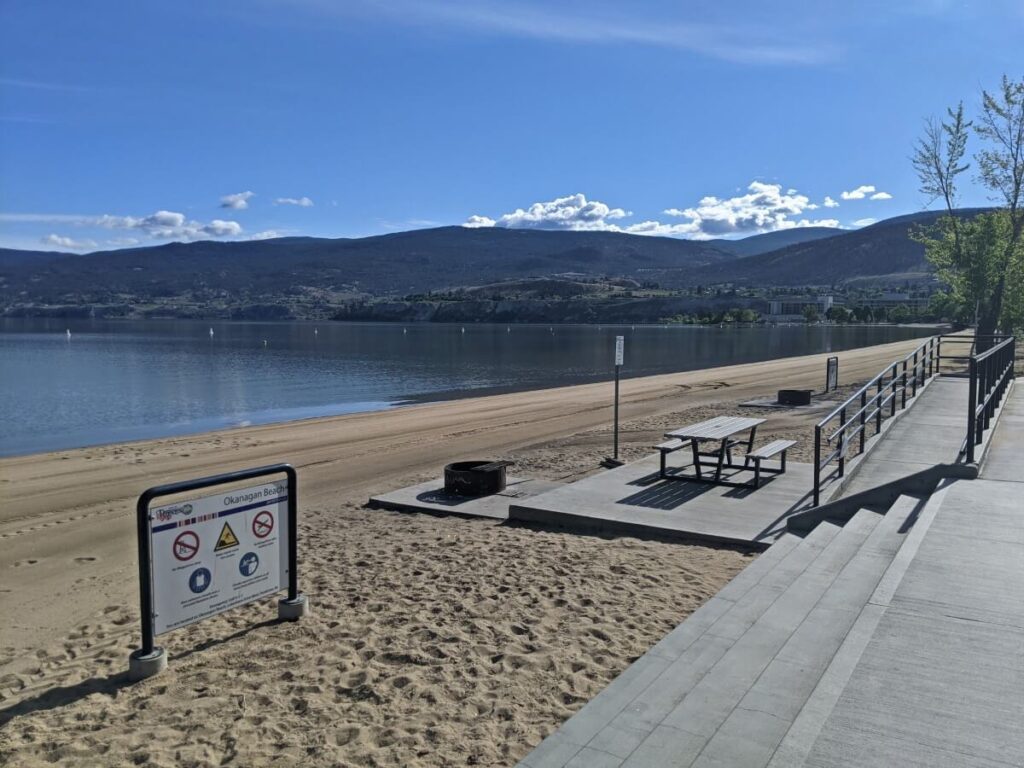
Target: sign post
{"points": [[620, 351], [832, 374], [201, 557]]}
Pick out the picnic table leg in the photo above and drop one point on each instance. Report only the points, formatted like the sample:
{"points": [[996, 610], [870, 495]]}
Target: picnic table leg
{"points": [[721, 459], [750, 447], [696, 457]]}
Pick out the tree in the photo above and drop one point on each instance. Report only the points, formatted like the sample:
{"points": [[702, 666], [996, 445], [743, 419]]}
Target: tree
{"points": [[810, 313], [900, 314], [979, 259], [862, 313], [838, 314]]}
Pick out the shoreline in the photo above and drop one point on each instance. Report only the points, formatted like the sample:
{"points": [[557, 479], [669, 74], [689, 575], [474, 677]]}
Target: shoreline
{"points": [[198, 429]]}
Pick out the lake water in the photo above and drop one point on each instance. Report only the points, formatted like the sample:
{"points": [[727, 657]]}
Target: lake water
{"points": [[113, 381]]}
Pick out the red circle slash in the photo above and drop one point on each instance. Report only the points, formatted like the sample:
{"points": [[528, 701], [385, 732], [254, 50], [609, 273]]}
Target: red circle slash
{"points": [[186, 546], [262, 524]]}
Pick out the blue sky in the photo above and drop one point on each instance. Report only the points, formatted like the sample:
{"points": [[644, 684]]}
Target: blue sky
{"points": [[127, 123]]}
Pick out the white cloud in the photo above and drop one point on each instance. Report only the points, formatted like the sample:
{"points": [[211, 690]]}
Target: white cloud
{"points": [[266, 234], [573, 212], [239, 201], [160, 225], [864, 222], [66, 242], [864, 191], [765, 208], [168, 225], [302, 202], [830, 203]]}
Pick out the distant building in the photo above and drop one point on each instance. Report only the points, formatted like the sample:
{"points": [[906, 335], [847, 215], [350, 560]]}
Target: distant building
{"points": [[889, 300], [792, 307]]}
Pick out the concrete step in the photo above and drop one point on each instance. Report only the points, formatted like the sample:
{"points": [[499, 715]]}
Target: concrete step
{"points": [[688, 728], [909, 518], [676, 715], [752, 732], [682, 657]]}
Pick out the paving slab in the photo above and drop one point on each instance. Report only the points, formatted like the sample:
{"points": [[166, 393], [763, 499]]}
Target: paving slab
{"points": [[431, 497], [633, 499], [941, 682]]}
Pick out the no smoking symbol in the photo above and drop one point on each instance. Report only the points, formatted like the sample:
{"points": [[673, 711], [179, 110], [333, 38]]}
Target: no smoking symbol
{"points": [[186, 545], [262, 524]]}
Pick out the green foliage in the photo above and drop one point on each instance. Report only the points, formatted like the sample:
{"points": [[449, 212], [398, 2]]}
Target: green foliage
{"points": [[811, 313], [839, 314], [979, 259], [971, 257]]}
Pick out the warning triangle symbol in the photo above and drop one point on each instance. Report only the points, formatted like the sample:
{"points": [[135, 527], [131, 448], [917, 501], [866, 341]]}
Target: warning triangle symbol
{"points": [[227, 539]]}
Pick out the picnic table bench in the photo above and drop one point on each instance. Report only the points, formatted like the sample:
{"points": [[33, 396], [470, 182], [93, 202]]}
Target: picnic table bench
{"points": [[722, 429]]}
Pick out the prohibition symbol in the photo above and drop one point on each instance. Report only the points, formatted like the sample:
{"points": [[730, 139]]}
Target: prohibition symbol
{"points": [[186, 545], [262, 524]]}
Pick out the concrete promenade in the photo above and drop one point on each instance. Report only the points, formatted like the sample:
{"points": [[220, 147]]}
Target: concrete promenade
{"points": [[895, 639]]}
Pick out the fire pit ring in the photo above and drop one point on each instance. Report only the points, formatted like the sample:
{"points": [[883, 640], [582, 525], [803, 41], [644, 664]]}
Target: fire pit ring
{"points": [[475, 478]]}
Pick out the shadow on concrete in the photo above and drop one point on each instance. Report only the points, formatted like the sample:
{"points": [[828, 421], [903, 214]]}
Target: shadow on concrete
{"points": [[667, 494]]}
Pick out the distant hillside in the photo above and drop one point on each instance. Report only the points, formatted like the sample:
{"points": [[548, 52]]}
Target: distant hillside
{"points": [[10, 257], [770, 241], [313, 277], [396, 264], [882, 253]]}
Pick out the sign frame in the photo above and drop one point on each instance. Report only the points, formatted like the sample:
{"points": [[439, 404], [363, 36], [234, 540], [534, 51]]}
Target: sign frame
{"points": [[620, 356], [150, 659], [832, 373]]}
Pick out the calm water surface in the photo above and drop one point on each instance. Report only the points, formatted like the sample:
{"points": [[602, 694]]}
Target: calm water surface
{"points": [[114, 381]]}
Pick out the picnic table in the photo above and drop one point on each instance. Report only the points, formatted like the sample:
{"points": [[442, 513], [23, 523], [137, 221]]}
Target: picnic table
{"points": [[721, 429]]}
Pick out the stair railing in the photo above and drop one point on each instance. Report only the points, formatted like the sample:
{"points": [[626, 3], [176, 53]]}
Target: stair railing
{"points": [[879, 399], [990, 374]]}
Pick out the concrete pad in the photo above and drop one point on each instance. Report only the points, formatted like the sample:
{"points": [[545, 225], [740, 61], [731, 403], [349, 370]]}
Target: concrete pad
{"points": [[633, 499], [431, 497], [772, 402]]}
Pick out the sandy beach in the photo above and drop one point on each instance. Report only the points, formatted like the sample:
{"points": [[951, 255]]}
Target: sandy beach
{"points": [[433, 640]]}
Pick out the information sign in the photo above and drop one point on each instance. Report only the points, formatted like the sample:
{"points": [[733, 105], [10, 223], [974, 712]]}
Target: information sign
{"points": [[217, 552]]}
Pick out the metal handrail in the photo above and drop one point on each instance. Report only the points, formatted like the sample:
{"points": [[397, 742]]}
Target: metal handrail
{"points": [[990, 374], [892, 386]]}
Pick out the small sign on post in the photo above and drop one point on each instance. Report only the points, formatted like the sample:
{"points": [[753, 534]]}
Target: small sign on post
{"points": [[620, 355], [204, 556], [832, 374]]}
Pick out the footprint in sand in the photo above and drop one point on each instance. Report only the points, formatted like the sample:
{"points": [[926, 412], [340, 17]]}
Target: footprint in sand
{"points": [[85, 559], [19, 563]]}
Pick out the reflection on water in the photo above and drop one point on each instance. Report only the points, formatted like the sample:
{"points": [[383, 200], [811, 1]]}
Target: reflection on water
{"points": [[112, 381]]}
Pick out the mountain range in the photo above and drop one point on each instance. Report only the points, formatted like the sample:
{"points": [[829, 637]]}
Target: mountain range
{"points": [[330, 271]]}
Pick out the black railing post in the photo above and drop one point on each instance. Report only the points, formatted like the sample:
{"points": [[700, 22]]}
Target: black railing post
{"points": [[972, 411], [817, 464], [863, 418], [985, 388], [894, 384], [903, 399], [878, 406], [842, 442], [938, 355], [917, 374]]}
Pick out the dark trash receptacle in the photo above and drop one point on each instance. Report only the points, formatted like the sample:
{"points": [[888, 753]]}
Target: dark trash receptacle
{"points": [[795, 396]]}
